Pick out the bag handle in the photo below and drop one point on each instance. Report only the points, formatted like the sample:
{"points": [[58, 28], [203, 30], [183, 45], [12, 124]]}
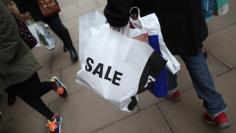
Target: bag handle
{"points": [[134, 13]]}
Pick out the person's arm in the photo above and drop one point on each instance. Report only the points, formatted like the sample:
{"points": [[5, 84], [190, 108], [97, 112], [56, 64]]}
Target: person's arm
{"points": [[117, 12], [8, 36]]}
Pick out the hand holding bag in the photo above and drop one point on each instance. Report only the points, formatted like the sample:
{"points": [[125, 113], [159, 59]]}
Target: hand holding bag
{"points": [[149, 25], [115, 66]]}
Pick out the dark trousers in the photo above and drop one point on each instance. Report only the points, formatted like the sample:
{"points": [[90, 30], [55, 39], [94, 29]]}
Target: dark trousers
{"points": [[31, 91], [59, 29]]}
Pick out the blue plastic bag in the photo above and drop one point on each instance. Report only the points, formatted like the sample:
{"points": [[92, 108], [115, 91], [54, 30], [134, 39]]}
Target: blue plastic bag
{"points": [[160, 88]]}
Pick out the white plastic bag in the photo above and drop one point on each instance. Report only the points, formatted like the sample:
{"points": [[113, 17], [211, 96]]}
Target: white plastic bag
{"points": [[42, 34], [150, 24], [116, 67], [91, 19]]}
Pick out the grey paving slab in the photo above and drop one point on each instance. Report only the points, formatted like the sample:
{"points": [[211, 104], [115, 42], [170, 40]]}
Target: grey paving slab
{"points": [[146, 121], [70, 11], [147, 99], [87, 5], [78, 8], [222, 45], [46, 64], [74, 33], [12, 112], [102, 2], [68, 76], [186, 116], [72, 23], [60, 60], [85, 112], [28, 123], [216, 67], [40, 51], [218, 23], [66, 3]]}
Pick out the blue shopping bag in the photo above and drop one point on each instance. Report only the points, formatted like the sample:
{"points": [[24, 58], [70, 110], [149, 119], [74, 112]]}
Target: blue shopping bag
{"points": [[160, 87], [149, 25]]}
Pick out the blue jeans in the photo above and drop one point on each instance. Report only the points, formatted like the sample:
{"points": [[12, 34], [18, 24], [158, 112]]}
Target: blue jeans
{"points": [[203, 83], [208, 7]]}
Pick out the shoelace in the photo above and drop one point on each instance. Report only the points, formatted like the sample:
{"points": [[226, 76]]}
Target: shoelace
{"points": [[52, 125]]}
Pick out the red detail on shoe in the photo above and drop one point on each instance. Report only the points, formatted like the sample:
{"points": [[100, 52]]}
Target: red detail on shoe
{"points": [[219, 119], [175, 95], [52, 125], [60, 91]]}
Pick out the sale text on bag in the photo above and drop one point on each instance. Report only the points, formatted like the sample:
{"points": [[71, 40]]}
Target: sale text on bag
{"points": [[103, 72]]}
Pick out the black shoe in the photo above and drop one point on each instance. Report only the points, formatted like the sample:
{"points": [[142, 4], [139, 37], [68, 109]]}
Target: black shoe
{"points": [[60, 88], [11, 99], [65, 49], [73, 55]]}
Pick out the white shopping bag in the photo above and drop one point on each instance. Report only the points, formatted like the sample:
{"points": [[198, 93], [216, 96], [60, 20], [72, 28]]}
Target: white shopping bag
{"points": [[150, 24], [91, 19], [116, 67], [42, 34], [33, 30]]}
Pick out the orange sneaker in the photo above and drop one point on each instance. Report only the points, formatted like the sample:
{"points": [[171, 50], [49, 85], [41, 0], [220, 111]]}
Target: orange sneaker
{"points": [[59, 87], [55, 125]]}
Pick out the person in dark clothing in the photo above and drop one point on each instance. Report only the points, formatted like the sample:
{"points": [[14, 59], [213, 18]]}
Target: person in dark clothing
{"points": [[18, 71], [184, 29], [53, 21]]}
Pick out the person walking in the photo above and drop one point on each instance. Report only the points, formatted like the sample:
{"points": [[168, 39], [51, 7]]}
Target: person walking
{"points": [[18, 71], [54, 21], [184, 29]]}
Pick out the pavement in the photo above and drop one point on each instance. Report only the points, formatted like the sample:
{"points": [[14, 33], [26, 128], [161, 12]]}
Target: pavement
{"points": [[85, 112]]}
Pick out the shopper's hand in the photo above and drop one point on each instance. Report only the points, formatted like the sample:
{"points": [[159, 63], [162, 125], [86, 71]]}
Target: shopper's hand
{"points": [[26, 16]]}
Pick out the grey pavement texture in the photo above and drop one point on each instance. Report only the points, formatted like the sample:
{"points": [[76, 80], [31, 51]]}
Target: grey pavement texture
{"points": [[85, 112]]}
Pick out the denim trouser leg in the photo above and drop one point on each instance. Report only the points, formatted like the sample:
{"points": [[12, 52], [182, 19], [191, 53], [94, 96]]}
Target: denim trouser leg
{"points": [[203, 83], [208, 8]]}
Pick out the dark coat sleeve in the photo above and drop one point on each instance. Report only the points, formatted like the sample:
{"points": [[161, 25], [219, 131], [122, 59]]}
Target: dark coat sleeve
{"points": [[21, 6], [117, 12], [8, 30]]}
